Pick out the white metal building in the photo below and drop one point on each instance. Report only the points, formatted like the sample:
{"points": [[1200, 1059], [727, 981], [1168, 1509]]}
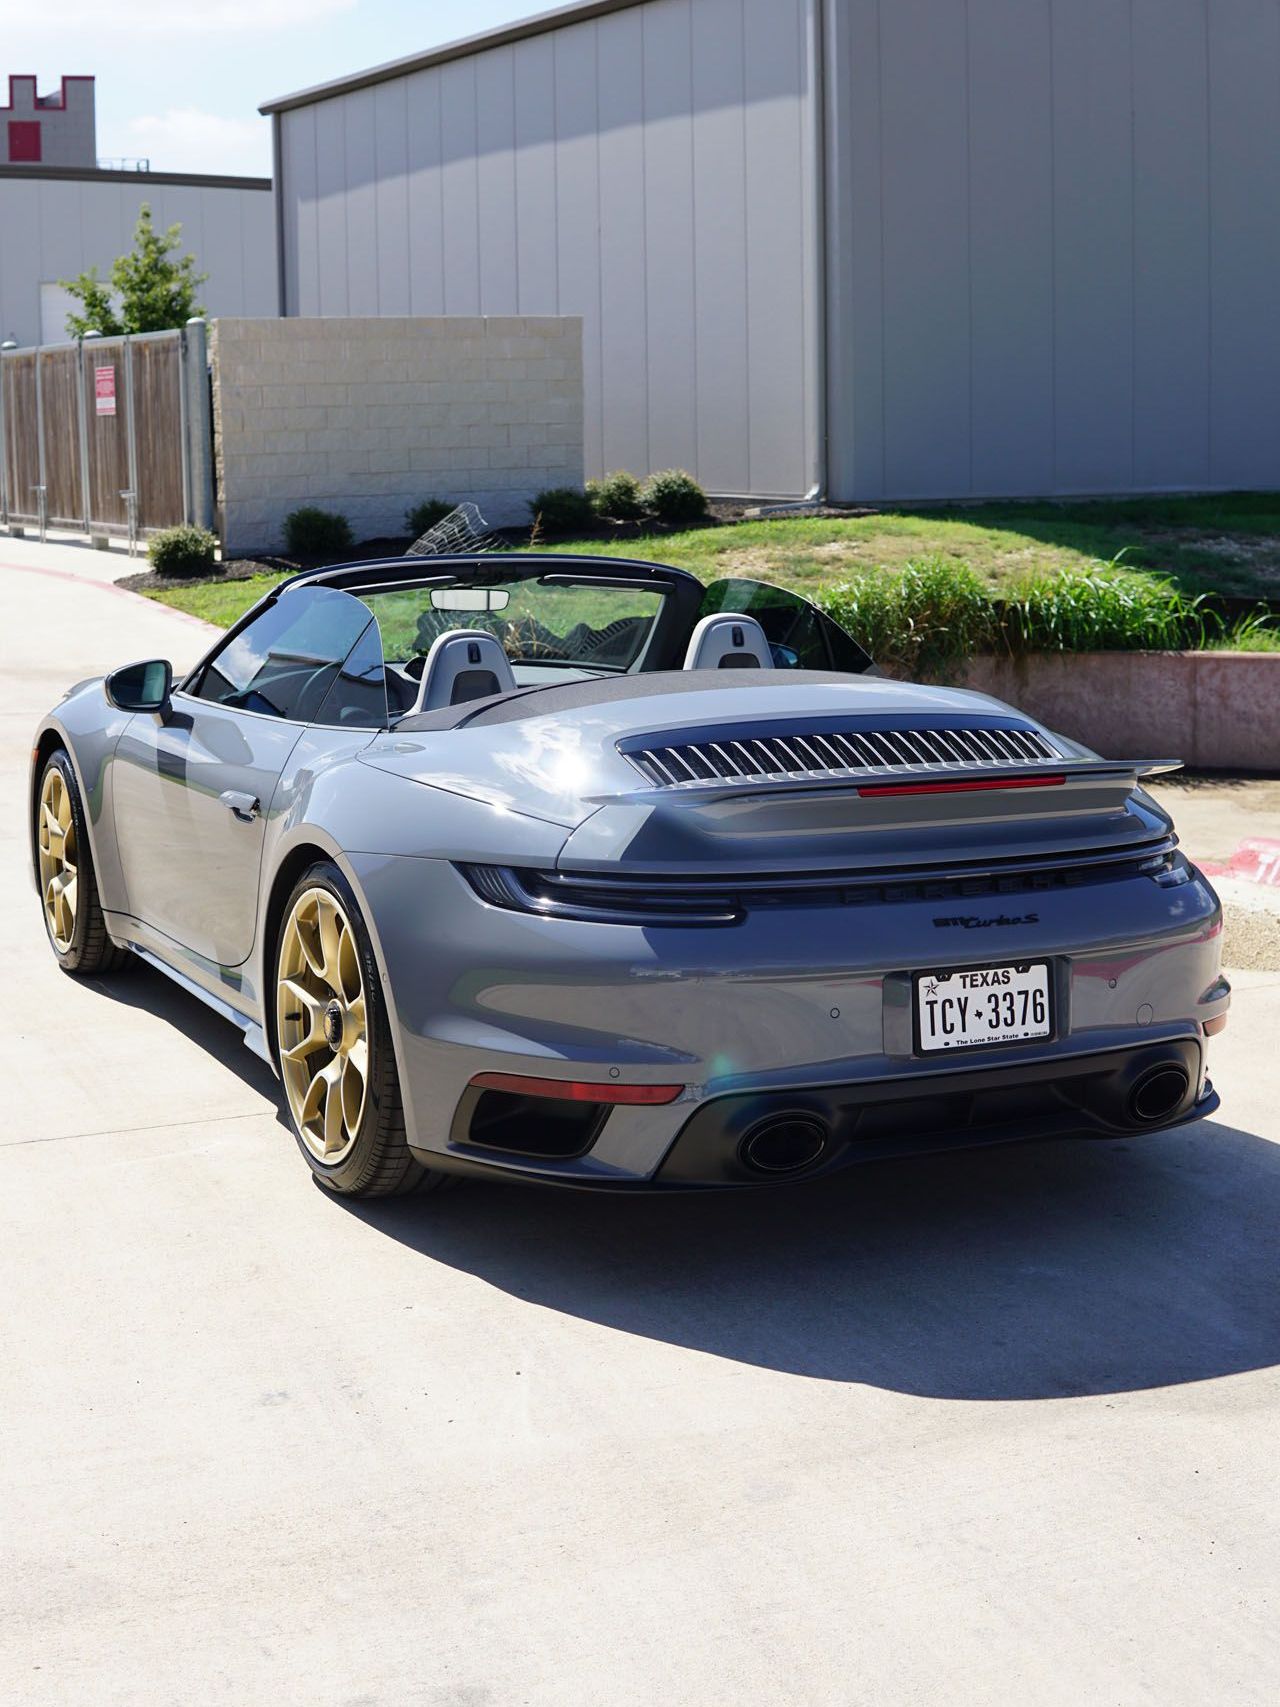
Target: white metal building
{"points": [[896, 248], [55, 222]]}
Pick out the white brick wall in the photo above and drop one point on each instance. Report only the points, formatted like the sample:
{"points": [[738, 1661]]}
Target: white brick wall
{"points": [[370, 416]]}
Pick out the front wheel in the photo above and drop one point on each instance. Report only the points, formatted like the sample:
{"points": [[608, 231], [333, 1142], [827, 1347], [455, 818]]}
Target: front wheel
{"points": [[333, 1045], [68, 886]]}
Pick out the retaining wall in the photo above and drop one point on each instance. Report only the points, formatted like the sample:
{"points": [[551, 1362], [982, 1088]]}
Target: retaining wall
{"points": [[1216, 710]]}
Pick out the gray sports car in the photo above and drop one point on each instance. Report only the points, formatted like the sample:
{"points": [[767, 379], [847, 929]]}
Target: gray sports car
{"points": [[572, 869]]}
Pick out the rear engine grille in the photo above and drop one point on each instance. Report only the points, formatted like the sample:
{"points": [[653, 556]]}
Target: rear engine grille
{"points": [[744, 758]]}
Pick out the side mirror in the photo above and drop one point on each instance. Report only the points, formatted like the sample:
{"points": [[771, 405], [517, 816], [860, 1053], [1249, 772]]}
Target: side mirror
{"points": [[141, 687]]}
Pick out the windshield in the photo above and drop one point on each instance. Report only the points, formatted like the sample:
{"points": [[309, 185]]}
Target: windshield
{"points": [[541, 627]]}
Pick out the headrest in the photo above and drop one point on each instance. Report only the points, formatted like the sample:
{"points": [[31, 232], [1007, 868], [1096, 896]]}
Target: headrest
{"points": [[728, 642], [464, 664]]}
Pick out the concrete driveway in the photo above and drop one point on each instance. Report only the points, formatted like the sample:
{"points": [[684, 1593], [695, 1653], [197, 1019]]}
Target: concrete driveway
{"points": [[991, 1428]]}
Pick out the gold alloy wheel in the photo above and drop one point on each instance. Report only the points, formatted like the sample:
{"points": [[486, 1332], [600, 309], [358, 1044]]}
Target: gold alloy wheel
{"points": [[59, 858], [320, 1024]]}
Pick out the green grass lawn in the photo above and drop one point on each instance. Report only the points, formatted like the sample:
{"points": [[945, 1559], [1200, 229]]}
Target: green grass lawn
{"points": [[217, 601], [1226, 544], [1229, 544]]}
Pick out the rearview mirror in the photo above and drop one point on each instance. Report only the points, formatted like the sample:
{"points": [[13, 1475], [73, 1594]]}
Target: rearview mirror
{"points": [[141, 687], [470, 598]]}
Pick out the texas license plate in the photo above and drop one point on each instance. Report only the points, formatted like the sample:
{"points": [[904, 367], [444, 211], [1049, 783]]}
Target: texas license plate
{"points": [[982, 1005]]}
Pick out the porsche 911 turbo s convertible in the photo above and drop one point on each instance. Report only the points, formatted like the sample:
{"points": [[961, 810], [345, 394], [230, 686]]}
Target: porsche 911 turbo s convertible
{"points": [[574, 870]]}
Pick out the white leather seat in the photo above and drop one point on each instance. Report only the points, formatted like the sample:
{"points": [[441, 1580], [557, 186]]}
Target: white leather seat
{"points": [[464, 664], [728, 642]]}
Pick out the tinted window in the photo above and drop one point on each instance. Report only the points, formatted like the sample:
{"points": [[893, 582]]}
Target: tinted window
{"points": [[801, 636], [285, 661], [358, 697]]}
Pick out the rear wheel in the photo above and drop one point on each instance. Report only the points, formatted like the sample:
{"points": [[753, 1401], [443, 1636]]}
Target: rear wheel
{"points": [[333, 1045], [68, 887]]}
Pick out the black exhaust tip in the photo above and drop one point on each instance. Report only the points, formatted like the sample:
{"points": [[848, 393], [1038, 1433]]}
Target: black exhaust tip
{"points": [[784, 1144], [1158, 1094]]}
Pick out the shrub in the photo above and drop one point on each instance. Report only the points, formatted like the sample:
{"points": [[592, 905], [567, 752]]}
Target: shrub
{"points": [[1101, 607], [925, 621], [562, 509], [1255, 632], [928, 620], [674, 496], [312, 532], [617, 496], [424, 516], [186, 551]]}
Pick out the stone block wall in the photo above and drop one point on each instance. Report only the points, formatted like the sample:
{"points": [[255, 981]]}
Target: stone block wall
{"points": [[370, 416]]}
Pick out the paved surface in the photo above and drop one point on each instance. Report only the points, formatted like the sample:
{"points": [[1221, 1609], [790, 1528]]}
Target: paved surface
{"points": [[72, 554], [1218, 820], [986, 1429]]}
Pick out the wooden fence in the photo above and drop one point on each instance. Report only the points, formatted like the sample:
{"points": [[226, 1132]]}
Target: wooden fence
{"points": [[108, 435]]}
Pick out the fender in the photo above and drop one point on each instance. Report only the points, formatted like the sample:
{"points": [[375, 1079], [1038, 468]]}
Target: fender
{"points": [[87, 727]]}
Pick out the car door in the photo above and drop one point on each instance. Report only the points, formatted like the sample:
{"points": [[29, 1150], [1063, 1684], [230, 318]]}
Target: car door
{"points": [[800, 636], [193, 787]]}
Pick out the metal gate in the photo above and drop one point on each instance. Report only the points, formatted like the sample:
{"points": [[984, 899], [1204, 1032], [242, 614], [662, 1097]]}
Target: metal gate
{"points": [[107, 435]]}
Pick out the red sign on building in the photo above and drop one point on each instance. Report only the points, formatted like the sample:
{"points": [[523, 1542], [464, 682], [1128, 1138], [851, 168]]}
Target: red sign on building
{"points": [[104, 390], [24, 141]]}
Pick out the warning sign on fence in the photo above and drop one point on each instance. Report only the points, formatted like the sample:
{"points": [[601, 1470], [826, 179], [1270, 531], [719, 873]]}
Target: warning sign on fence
{"points": [[104, 390]]}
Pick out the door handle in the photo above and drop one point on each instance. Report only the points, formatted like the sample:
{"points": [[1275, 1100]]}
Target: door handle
{"points": [[245, 807]]}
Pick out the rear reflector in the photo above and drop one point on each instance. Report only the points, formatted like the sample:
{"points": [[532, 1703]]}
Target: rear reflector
{"points": [[887, 788], [577, 1090]]}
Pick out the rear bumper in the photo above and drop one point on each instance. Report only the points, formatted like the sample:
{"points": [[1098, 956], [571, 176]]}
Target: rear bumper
{"points": [[797, 1008], [1088, 1096], [1080, 1098]]}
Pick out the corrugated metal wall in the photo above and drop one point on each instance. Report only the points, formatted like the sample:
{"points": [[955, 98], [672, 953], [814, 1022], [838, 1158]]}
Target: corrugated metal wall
{"points": [[54, 228], [1053, 234], [649, 170], [1055, 239]]}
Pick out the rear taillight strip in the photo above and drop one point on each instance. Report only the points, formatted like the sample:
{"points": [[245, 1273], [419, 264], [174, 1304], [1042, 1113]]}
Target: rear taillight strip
{"points": [[884, 789]]}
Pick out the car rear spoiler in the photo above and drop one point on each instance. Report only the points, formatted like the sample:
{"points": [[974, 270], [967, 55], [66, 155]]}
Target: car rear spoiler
{"points": [[902, 780]]}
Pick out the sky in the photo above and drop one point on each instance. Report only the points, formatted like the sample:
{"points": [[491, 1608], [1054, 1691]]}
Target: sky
{"points": [[180, 82]]}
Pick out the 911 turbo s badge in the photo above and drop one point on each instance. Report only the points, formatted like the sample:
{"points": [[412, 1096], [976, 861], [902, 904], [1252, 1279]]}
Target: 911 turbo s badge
{"points": [[973, 923]]}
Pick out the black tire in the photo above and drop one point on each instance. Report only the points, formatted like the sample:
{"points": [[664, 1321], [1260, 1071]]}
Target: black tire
{"points": [[89, 950], [379, 1163]]}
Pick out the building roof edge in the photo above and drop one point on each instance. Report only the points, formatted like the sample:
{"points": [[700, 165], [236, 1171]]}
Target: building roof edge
{"points": [[97, 174], [580, 12]]}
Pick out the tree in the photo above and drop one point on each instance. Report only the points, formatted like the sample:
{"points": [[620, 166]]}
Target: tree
{"points": [[148, 290]]}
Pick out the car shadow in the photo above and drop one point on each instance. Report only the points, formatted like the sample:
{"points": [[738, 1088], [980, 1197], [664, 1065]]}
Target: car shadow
{"points": [[1025, 1272], [142, 987], [1030, 1272]]}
